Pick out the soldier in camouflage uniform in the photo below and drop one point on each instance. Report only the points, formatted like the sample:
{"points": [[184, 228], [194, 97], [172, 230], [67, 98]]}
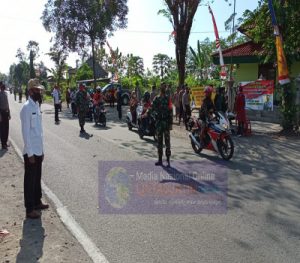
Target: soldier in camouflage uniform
{"points": [[162, 114], [82, 106]]}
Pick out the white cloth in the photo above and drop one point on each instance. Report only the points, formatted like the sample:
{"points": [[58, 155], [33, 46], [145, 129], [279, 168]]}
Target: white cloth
{"points": [[32, 130], [55, 95]]}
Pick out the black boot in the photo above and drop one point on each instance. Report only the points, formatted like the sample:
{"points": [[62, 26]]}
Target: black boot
{"points": [[159, 163]]}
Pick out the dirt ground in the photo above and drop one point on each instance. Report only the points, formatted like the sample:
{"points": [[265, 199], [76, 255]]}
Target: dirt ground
{"points": [[42, 240]]}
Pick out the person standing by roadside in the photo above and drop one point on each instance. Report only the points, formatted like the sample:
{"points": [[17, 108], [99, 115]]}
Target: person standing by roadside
{"points": [[239, 107], [176, 102], [186, 105], [32, 132], [161, 111], [181, 92], [20, 91], [56, 101], [220, 101], [15, 92], [4, 116], [68, 97], [82, 106], [119, 102], [26, 93]]}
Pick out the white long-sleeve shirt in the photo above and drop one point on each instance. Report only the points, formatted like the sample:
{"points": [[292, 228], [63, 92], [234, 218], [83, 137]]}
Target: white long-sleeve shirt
{"points": [[32, 130]]}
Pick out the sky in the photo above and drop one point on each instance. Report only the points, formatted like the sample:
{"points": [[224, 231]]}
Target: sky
{"points": [[147, 32]]}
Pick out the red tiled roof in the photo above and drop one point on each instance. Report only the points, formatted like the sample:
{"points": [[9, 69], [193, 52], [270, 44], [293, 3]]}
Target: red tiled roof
{"points": [[246, 49]]}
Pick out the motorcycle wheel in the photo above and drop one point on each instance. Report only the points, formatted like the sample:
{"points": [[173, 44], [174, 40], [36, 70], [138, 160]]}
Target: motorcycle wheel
{"points": [[195, 147], [226, 148]]}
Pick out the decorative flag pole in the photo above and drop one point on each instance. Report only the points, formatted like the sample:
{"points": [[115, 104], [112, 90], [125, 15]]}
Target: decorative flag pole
{"points": [[283, 73], [218, 46], [112, 53]]}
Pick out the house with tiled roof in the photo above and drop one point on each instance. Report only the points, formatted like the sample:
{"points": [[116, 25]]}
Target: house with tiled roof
{"points": [[248, 59]]}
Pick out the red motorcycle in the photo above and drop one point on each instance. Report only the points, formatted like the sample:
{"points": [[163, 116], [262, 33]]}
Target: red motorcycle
{"points": [[217, 137]]}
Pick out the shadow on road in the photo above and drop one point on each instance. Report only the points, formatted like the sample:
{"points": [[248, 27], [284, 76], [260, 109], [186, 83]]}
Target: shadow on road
{"points": [[32, 241]]}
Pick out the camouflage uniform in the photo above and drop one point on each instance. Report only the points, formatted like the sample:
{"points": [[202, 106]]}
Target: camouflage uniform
{"points": [[161, 112], [82, 106]]}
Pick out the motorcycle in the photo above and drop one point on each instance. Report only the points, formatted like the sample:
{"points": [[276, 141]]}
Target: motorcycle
{"points": [[129, 121], [148, 129], [90, 111], [217, 136], [100, 114]]}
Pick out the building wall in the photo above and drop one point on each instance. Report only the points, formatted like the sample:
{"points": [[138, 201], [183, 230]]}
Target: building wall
{"points": [[247, 72]]}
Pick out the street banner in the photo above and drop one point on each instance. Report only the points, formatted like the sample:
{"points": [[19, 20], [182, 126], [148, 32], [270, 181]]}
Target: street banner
{"points": [[218, 46], [283, 73], [259, 94], [197, 96]]}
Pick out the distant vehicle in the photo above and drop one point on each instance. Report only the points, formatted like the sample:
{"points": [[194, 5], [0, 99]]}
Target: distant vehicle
{"points": [[125, 92]]}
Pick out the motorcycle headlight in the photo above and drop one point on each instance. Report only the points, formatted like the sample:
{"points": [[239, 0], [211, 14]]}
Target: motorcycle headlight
{"points": [[225, 126]]}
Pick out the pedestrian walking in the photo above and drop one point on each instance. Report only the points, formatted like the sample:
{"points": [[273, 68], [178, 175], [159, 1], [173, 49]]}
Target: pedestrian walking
{"points": [[82, 106], [57, 102], [240, 104], [4, 116], [119, 102], [186, 105], [32, 132], [161, 111]]}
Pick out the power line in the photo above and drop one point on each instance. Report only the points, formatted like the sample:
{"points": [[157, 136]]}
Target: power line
{"points": [[166, 32]]}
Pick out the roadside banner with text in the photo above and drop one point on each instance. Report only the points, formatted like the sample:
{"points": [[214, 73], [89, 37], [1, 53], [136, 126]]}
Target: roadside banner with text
{"points": [[197, 96], [259, 94]]}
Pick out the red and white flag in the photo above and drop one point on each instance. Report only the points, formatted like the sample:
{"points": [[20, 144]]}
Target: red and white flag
{"points": [[218, 46]]}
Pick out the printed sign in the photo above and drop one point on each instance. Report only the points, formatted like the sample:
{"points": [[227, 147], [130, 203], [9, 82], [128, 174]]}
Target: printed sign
{"points": [[259, 94], [197, 96]]}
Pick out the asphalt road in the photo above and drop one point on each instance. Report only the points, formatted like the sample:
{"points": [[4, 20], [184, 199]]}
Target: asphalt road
{"points": [[263, 207]]}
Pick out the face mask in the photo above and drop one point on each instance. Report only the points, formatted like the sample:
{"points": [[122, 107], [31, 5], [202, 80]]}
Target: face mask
{"points": [[36, 96]]}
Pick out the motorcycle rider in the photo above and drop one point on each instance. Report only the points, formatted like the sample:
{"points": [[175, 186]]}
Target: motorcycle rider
{"points": [[146, 107], [207, 109], [97, 98]]}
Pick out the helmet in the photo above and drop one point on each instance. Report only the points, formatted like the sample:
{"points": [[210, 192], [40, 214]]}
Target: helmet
{"points": [[208, 90], [146, 96], [98, 89]]}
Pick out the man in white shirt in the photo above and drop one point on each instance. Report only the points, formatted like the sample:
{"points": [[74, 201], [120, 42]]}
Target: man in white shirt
{"points": [[56, 99], [32, 132]]}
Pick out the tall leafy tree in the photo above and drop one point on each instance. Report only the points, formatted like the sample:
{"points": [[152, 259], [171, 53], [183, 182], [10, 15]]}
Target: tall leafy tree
{"points": [[58, 56], [135, 66], [81, 23], [181, 13], [161, 65], [33, 48]]}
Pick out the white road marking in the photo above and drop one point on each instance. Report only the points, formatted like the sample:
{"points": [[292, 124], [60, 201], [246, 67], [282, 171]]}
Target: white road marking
{"points": [[66, 217]]}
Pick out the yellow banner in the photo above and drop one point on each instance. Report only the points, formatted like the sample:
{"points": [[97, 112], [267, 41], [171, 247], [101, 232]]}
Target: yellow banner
{"points": [[197, 96]]}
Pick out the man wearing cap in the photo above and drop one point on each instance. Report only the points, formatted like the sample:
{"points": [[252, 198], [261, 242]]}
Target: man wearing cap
{"points": [[4, 116], [82, 106], [32, 132]]}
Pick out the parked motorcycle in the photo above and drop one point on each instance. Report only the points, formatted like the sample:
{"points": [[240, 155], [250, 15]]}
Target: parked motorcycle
{"points": [[100, 115], [129, 121], [217, 136]]}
